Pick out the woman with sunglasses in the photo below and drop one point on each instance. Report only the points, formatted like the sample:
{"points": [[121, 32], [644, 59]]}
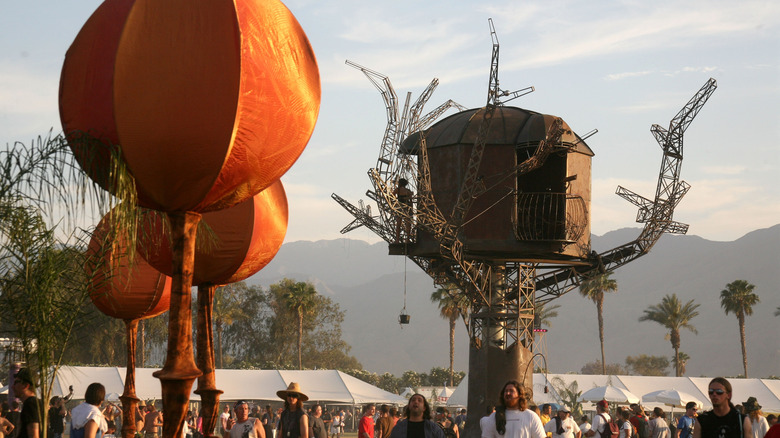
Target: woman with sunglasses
{"points": [[294, 422], [723, 421]]}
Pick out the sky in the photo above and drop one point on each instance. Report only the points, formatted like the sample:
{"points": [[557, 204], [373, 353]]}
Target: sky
{"points": [[615, 66]]}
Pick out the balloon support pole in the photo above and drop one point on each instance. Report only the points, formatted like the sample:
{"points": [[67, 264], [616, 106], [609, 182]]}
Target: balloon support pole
{"points": [[209, 394], [128, 398], [180, 370]]}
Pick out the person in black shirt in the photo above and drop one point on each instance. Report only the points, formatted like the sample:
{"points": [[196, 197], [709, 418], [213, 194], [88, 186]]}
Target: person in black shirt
{"points": [[30, 419], [418, 422], [723, 421]]}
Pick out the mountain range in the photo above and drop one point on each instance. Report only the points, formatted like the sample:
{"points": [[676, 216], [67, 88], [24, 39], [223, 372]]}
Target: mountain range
{"points": [[373, 288]]}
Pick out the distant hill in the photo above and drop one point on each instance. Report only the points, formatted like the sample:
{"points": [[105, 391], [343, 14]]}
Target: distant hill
{"points": [[369, 285]]}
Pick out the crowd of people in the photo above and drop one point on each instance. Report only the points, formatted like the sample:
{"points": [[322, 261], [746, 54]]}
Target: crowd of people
{"points": [[514, 417]]}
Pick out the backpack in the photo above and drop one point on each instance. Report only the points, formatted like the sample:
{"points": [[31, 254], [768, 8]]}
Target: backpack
{"points": [[643, 431], [611, 430], [634, 432], [449, 432]]}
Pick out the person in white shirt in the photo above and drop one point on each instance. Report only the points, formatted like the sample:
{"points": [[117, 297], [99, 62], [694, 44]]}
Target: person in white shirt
{"points": [[512, 418], [626, 428], [601, 418], [223, 419], [562, 425], [585, 424]]}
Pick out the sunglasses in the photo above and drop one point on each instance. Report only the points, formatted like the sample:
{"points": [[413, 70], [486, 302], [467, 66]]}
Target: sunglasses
{"points": [[716, 391]]}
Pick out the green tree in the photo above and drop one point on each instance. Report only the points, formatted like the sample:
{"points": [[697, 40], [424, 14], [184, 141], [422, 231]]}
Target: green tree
{"points": [[569, 394], [153, 336], [543, 314], [299, 298], [738, 298], [596, 367], [453, 304], [263, 336], [44, 291], [411, 379], [43, 284], [644, 365], [673, 315], [594, 288], [227, 308], [681, 360]]}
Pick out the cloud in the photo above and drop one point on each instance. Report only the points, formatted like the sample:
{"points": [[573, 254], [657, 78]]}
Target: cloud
{"points": [[619, 76], [724, 170]]}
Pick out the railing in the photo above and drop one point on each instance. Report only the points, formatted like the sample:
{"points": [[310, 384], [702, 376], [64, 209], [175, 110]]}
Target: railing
{"points": [[557, 217]]}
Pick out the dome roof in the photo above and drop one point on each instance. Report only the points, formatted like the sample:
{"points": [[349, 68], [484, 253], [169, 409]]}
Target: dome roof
{"points": [[510, 126]]}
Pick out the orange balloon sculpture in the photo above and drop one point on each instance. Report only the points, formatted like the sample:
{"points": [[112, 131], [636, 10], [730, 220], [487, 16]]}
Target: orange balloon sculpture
{"points": [[248, 236], [210, 102], [127, 290]]}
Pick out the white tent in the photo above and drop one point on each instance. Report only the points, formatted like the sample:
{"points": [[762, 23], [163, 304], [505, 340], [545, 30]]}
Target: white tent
{"points": [[320, 385], [766, 391]]}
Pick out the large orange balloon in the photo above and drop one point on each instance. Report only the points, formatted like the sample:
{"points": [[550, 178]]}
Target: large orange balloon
{"points": [[248, 236], [121, 289], [210, 101]]}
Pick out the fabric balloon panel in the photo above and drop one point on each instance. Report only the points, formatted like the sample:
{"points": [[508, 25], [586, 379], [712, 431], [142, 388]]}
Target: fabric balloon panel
{"points": [[121, 288], [86, 100], [210, 101], [244, 239], [278, 104], [176, 85]]}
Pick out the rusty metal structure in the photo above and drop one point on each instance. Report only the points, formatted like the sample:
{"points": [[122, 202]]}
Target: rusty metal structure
{"points": [[501, 209]]}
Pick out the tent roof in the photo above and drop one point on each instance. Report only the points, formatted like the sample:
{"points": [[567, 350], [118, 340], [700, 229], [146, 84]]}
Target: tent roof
{"points": [[319, 385]]}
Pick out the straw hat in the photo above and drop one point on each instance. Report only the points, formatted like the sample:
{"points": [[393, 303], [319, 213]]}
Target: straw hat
{"points": [[292, 388]]}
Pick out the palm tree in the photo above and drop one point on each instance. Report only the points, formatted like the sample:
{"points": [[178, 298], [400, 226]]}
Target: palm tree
{"points": [[674, 316], [453, 304], [300, 299], [681, 359], [738, 298], [44, 284], [543, 314], [227, 308], [594, 288]]}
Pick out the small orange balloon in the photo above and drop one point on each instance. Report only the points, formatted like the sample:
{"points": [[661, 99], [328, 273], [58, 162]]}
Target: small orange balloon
{"points": [[247, 237], [122, 289]]}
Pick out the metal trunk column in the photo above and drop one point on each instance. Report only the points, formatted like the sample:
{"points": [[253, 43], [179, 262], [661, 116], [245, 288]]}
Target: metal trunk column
{"points": [[501, 340]]}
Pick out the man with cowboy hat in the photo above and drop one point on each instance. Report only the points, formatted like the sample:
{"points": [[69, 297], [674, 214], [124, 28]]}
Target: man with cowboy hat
{"points": [[294, 422]]}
